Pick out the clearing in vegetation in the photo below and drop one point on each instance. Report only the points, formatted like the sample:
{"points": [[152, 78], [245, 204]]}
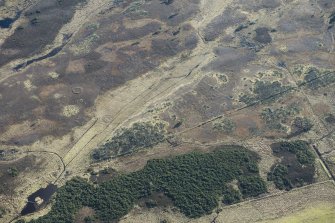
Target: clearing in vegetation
{"points": [[296, 167]]}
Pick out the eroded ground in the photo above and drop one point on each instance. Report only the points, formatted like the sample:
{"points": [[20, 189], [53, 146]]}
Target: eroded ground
{"points": [[73, 74]]}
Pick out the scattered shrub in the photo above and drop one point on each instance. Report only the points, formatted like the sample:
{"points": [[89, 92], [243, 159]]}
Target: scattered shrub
{"points": [[314, 78], [330, 118], [264, 91], [274, 118], [2, 212], [226, 126], [13, 171], [139, 135], [178, 124], [301, 124]]}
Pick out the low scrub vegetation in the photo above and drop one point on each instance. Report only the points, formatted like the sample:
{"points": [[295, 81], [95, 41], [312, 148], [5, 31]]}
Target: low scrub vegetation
{"points": [[301, 125], [330, 118], [264, 91], [226, 126], [276, 118], [13, 171], [139, 135], [2, 212], [195, 183], [314, 78]]}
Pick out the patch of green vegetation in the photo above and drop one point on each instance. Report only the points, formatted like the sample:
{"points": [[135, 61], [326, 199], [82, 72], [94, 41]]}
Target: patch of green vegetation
{"points": [[251, 186], [300, 148], [139, 135], [135, 7], [226, 126], [178, 124], [279, 175], [231, 195], [296, 167], [194, 182], [330, 118], [301, 125], [274, 118], [331, 20], [13, 171], [89, 219], [2, 212], [304, 155], [264, 91], [314, 78]]}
